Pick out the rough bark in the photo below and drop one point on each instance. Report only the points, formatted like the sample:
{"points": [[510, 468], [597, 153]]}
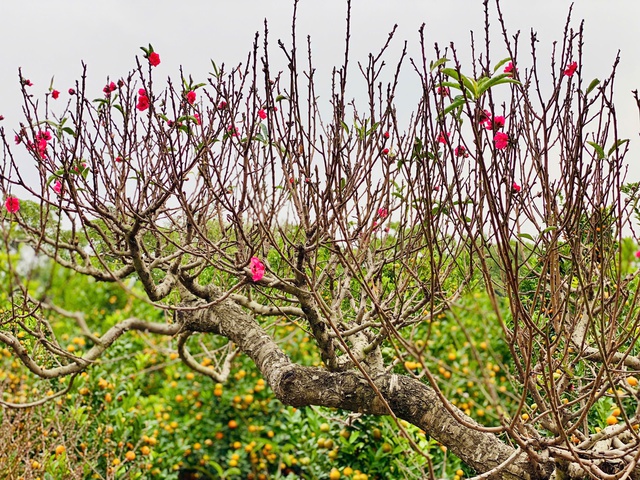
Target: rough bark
{"points": [[410, 399]]}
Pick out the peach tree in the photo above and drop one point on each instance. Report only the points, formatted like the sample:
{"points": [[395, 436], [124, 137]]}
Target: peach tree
{"points": [[245, 198]]}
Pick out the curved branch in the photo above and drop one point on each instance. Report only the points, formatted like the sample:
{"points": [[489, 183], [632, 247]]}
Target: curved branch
{"points": [[81, 363]]}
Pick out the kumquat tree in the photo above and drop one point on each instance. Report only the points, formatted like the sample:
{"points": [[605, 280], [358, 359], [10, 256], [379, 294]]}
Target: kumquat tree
{"points": [[456, 293]]}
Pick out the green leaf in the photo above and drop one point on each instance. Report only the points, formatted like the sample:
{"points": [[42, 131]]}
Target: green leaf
{"points": [[497, 80], [344, 125], [550, 229], [69, 130], [501, 63], [216, 71], [616, 145], [437, 63], [527, 236], [458, 102], [594, 83], [450, 84], [279, 98], [372, 129], [469, 83], [598, 149]]}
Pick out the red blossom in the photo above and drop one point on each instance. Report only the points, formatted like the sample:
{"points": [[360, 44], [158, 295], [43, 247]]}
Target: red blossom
{"points": [[262, 114], [484, 116], [12, 204], [55, 94], [197, 117], [444, 91], [385, 151], [42, 148], [510, 69], [516, 188], [494, 123], [233, 131], [444, 137], [109, 87], [460, 151], [571, 69], [154, 59], [191, 97], [386, 135], [222, 105], [257, 269], [26, 82], [501, 140], [638, 254], [18, 139], [43, 135], [1, 117], [57, 187], [118, 159], [143, 100], [383, 212], [72, 91]]}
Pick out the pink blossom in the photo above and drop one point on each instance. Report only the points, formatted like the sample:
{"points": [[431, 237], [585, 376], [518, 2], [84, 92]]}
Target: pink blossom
{"points": [[460, 151], [571, 69], [27, 83], [385, 151], [501, 140], [42, 148], [484, 116], [444, 137], [257, 269], [495, 123], [386, 135], [383, 212], [118, 159], [12, 204], [72, 91], [154, 59], [43, 135], [143, 100], [197, 117], [262, 114], [55, 94], [444, 91], [109, 87], [233, 131], [510, 69], [191, 97], [222, 105], [516, 187], [17, 139], [638, 254], [57, 187]]}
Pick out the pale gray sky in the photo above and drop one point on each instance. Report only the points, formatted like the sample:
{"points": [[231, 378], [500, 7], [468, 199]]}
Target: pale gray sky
{"points": [[52, 37]]}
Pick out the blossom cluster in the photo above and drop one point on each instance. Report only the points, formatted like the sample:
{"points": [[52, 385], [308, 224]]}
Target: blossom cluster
{"points": [[143, 100]]}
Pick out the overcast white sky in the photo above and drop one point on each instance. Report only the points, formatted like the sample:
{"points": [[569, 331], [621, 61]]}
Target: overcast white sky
{"points": [[51, 37]]}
